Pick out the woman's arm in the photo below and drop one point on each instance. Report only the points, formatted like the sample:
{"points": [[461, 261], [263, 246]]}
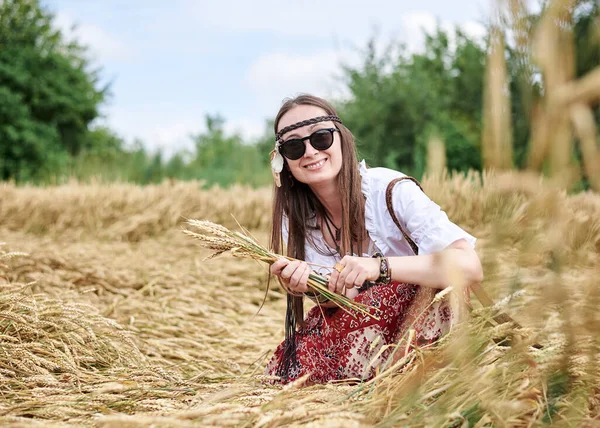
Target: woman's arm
{"points": [[457, 262]]}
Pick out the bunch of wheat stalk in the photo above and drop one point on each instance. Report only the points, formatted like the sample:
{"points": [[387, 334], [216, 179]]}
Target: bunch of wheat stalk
{"points": [[220, 239]]}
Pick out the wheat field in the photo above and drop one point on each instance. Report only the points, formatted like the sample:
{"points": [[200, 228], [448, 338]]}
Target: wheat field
{"points": [[109, 316]]}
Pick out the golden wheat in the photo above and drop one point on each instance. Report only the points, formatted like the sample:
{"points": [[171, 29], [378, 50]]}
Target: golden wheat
{"points": [[109, 317], [192, 349]]}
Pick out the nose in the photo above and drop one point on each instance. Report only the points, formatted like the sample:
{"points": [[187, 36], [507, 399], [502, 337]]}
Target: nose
{"points": [[309, 150]]}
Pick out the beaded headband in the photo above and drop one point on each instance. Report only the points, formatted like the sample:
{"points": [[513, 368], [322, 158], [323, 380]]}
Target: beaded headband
{"points": [[312, 121]]}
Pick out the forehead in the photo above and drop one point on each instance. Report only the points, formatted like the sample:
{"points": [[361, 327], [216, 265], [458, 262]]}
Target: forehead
{"points": [[297, 114]]}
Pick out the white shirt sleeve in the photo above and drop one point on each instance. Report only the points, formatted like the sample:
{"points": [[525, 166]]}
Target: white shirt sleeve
{"points": [[424, 220]]}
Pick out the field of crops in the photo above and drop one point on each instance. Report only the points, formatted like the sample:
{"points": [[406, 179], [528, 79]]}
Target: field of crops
{"points": [[111, 318]]}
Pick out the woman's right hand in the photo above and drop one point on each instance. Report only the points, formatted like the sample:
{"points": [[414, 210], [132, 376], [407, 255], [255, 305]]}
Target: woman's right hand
{"points": [[294, 274]]}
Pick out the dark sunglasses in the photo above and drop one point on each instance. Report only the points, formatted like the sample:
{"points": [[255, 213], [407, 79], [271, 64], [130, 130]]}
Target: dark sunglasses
{"points": [[321, 140]]}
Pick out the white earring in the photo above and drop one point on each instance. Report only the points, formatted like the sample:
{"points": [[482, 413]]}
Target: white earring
{"points": [[276, 165]]}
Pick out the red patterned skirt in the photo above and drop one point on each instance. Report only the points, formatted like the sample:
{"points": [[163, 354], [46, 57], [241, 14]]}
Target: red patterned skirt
{"points": [[335, 345]]}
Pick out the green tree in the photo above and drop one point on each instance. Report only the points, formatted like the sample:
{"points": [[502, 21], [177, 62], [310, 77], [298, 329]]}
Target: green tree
{"points": [[103, 142], [176, 167], [445, 85], [266, 142], [48, 93], [379, 112], [226, 159], [400, 100]]}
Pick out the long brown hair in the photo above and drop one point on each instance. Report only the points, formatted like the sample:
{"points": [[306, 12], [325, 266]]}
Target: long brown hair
{"points": [[297, 201]]}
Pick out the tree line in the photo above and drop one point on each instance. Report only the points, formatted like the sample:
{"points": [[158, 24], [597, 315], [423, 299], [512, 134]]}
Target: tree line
{"points": [[50, 95]]}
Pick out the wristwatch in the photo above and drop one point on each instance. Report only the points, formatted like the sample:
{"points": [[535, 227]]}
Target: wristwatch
{"points": [[385, 272]]}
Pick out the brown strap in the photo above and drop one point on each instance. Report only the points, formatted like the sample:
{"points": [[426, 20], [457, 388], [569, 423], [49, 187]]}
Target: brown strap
{"points": [[390, 207], [479, 292]]}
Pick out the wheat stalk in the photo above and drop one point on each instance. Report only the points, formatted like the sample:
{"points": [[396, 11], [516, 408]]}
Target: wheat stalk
{"points": [[220, 239]]}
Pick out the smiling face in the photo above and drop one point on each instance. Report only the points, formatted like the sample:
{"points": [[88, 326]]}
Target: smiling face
{"points": [[316, 167]]}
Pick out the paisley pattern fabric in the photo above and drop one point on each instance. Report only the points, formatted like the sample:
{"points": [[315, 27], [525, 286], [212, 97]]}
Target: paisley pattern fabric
{"points": [[334, 344]]}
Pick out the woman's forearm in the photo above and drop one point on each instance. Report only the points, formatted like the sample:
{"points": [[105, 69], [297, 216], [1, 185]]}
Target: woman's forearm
{"points": [[458, 262]]}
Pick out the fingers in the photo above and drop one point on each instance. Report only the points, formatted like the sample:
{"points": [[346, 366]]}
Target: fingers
{"points": [[304, 279], [295, 275], [347, 276], [278, 266], [351, 293], [338, 276], [360, 279], [332, 280], [335, 276], [301, 272], [350, 272], [350, 280]]}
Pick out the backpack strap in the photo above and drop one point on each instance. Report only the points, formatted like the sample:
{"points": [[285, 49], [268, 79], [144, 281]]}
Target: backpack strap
{"points": [[390, 207], [479, 292]]}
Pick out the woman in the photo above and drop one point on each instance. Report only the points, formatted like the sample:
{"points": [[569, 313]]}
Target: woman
{"points": [[332, 211]]}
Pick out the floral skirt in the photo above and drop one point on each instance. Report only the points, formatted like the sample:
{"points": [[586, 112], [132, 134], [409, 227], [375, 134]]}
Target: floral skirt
{"points": [[336, 345]]}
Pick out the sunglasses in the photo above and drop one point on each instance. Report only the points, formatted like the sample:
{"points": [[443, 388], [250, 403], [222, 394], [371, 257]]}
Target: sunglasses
{"points": [[321, 140]]}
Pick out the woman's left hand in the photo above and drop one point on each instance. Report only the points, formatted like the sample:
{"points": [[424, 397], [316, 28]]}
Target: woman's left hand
{"points": [[353, 272]]}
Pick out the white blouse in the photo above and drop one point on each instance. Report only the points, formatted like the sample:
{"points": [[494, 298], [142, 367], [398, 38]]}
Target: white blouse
{"points": [[422, 218]]}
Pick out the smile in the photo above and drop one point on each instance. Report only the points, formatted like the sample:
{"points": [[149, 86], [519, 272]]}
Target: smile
{"points": [[316, 165]]}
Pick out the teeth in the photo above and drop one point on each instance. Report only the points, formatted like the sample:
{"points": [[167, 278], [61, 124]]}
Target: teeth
{"points": [[316, 165]]}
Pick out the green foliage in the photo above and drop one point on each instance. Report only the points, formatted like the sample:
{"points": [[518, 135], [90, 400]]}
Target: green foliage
{"points": [[223, 160], [266, 142], [217, 159], [102, 142], [399, 101], [47, 94]]}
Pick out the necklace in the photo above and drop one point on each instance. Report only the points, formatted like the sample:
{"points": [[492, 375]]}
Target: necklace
{"points": [[336, 237]]}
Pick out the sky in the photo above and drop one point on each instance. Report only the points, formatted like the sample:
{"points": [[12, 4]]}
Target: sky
{"points": [[170, 63]]}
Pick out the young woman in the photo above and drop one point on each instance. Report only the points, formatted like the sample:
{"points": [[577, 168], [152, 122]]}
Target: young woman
{"points": [[331, 210]]}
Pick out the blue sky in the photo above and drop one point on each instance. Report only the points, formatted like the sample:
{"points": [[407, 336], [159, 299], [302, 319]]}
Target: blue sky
{"points": [[172, 62]]}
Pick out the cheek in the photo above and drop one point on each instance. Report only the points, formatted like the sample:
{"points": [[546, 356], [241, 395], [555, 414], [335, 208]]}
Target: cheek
{"points": [[336, 156], [293, 167]]}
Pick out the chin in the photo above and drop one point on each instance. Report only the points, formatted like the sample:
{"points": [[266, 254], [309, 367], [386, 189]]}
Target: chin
{"points": [[318, 179]]}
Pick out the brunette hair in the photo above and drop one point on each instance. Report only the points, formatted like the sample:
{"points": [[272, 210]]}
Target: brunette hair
{"points": [[298, 203]]}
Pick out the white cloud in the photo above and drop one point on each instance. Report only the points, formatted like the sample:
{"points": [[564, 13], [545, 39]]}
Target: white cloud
{"points": [[102, 45], [162, 126], [277, 75], [169, 127], [348, 19], [249, 129], [413, 25], [285, 73], [474, 30], [303, 18]]}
